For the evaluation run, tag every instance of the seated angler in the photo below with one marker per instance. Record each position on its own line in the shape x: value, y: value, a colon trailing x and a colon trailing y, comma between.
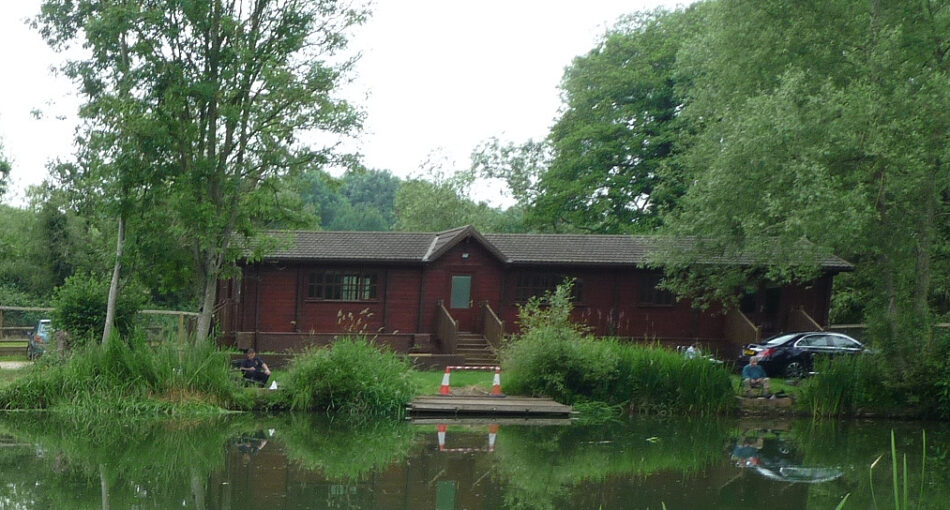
x: 254, y: 368
x: 754, y: 376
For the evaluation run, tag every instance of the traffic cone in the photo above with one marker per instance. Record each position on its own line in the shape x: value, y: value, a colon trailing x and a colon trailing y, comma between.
x: 496, y: 384
x: 492, y: 432
x: 441, y: 433
x: 444, y: 390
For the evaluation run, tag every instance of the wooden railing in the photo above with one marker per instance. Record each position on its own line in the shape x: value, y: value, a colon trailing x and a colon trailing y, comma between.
x: 446, y: 328
x: 740, y: 330
x: 799, y: 320
x: 492, y: 327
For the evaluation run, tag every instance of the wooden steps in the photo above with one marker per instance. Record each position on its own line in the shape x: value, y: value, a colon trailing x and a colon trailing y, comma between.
x: 475, y: 348
x: 487, y: 406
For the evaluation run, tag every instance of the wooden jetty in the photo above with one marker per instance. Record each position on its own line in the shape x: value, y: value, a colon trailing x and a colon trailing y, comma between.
x: 487, y: 406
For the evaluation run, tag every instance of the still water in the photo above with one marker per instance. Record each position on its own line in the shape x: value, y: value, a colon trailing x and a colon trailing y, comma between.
x: 302, y: 462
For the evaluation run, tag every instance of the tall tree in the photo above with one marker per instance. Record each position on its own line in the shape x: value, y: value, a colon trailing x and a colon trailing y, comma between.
x: 616, y: 129
x: 227, y: 89
x: 823, y: 125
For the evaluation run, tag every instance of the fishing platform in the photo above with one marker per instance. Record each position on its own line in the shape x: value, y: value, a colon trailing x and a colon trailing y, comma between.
x: 487, y: 405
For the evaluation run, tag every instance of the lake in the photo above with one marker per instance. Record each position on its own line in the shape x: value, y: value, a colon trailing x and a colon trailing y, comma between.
x: 304, y: 462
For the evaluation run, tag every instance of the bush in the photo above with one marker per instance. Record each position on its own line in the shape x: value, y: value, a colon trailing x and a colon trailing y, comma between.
x: 351, y: 377
x: 80, y: 308
x: 555, y: 358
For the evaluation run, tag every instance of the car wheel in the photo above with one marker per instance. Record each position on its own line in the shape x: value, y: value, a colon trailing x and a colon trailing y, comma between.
x: 794, y: 370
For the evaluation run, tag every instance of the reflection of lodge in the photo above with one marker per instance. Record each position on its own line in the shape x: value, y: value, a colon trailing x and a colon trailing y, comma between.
x: 444, y: 479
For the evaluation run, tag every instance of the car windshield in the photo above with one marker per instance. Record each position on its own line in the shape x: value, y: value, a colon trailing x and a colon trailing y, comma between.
x: 781, y: 339
x: 42, y: 328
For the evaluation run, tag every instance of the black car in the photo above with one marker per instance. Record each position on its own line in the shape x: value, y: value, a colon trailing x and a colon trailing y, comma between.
x: 793, y: 355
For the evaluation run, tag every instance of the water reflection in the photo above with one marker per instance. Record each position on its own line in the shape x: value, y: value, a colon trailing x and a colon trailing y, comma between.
x: 774, y: 454
x: 298, y: 462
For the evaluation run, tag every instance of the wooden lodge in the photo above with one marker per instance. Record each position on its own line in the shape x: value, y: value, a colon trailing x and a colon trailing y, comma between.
x: 447, y: 296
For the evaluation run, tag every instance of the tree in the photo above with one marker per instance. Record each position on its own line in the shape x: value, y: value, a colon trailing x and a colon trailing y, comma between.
x: 439, y: 202
x: 5, y: 167
x: 827, y: 128
x: 616, y: 131
x: 220, y: 92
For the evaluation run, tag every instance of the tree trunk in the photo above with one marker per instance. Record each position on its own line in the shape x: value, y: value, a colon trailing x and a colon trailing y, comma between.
x: 209, y: 296
x: 114, y: 286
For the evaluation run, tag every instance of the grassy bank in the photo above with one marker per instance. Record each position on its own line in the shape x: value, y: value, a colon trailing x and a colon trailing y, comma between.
x: 128, y: 377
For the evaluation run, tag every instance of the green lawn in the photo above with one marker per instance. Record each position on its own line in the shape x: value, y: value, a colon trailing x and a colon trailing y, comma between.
x: 428, y: 382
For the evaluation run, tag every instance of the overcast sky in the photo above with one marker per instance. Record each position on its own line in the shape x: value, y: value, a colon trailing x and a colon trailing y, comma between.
x: 435, y: 76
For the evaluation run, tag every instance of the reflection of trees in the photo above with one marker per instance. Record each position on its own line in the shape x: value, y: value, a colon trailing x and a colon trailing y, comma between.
x: 345, y: 451
x: 90, y: 463
x: 540, y: 465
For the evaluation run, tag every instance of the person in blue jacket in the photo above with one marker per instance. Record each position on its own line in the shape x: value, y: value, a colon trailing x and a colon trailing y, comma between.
x: 754, y: 376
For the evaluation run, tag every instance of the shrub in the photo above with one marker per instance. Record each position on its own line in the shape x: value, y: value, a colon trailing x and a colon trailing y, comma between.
x: 351, y: 377
x: 554, y: 358
x: 80, y: 307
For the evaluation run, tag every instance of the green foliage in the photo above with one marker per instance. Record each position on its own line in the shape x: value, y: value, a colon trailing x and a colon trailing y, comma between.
x: 439, y: 202
x: 199, y: 133
x: 616, y: 131
x: 552, y: 357
x: 350, y: 378
x: 128, y: 378
x: 814, y: 131
x: 845, y: 385
x: 80, y: 308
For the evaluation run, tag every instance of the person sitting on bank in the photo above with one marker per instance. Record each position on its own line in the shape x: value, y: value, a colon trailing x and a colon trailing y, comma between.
x: 254, y: 368
x: 754, y: 376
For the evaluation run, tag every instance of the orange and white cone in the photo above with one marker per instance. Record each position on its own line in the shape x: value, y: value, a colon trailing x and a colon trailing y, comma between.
x: 441, y: 433
x: 444, y: 390
x: 496, y: 384
x: 492, y: 432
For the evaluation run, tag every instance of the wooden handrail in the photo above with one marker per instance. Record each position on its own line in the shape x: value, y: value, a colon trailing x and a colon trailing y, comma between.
x: 799, y: 320
x: 739, y: 329
x: 446, y: 328
x: 492, y: 327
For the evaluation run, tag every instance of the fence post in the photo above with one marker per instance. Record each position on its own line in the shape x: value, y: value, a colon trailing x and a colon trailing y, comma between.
x: 181, y: 338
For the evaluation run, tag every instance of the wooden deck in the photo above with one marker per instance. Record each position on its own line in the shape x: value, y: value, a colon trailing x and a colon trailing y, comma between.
x: 487, y: 406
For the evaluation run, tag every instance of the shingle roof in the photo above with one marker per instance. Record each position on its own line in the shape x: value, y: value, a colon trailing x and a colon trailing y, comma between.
x: 516, y: 249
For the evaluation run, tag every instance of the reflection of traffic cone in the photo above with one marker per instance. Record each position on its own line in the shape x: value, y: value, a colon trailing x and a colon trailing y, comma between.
x: 441, y: 428
x: 496, y: 384
x: 444, y: 390
x: 492, y: 432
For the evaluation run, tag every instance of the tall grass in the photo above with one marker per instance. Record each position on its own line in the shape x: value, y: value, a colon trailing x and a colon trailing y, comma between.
x: 573, y: 368
x: 847, y: 385
x: 352, y: 377
x: 555, y: 357
x: 129, y: 378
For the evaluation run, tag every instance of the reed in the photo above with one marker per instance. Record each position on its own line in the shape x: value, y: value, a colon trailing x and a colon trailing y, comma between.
x: 574, y: 368
x: 129, y: 377
x: 846, y: 385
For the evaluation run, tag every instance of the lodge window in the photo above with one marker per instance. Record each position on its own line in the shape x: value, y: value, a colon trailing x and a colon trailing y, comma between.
x: 342, y: 286
x: 537, y: 284
x: 651, y: 295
